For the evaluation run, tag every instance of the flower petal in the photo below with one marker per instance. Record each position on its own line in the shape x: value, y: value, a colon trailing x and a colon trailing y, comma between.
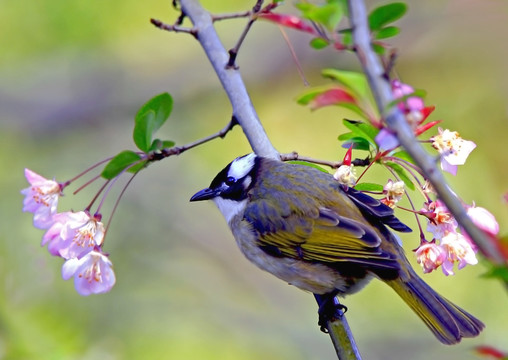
x: 70, y: 267
x: 94, y: 274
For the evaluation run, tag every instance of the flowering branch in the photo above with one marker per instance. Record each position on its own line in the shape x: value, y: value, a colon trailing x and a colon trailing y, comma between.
x: 397, y: 123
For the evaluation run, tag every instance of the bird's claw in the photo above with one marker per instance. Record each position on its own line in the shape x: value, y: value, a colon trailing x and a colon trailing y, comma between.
x: 329, y: 310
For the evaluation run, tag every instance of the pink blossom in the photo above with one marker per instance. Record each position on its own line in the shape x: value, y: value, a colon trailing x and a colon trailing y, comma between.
x: 458, y: 249
x: 415, y: 111
x: 441, y: 221
x: 74, y: 234
x: 453, y: 149
x: 52, y: 235
x: 41, y: 199
x: 411, y: 103
x: 93, y: 273
x: 483, y: 219
x: 430, y: 256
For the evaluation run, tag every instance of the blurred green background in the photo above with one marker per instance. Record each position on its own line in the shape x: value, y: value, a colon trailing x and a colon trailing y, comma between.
x: 72, y: 76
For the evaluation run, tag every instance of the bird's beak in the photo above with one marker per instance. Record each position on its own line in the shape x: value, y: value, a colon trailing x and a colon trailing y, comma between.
x: 205, y: 194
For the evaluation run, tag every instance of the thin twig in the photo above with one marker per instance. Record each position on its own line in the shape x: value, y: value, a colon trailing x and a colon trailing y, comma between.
x: 177, y: 150
x: 231, y: 80
x: 233, y: 53
x: 173, y: 28
x: 236, y: 15
x: 332, y: 164
x: 396, y: 121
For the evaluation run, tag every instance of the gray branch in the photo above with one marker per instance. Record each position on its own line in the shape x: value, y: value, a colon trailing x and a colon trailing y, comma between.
x: 231, y: 80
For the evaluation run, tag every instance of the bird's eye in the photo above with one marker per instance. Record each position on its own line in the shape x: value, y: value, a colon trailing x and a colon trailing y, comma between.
x: 230, y: 181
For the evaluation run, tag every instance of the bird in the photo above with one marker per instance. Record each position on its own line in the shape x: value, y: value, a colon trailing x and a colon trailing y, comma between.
x: 304, y: 227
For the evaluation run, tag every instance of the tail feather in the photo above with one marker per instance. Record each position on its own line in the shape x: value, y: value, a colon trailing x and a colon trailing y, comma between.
x: 448, y: 322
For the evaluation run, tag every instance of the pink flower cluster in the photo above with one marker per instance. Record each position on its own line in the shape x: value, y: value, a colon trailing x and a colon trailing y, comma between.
x: 449, y: 246
x: 75, y: 236
x: 414, y: 109
x: 453, y: 149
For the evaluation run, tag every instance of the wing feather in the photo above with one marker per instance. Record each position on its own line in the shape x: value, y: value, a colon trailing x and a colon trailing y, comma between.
x: 326, y: 237
x: 373, y: 208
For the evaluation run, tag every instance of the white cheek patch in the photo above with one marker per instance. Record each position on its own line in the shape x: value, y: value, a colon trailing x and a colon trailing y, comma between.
x: 229, y: 208
x: 247, y: 181
x: 242, y: 166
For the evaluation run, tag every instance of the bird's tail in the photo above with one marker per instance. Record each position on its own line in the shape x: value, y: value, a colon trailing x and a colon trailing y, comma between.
x: 448, y: 322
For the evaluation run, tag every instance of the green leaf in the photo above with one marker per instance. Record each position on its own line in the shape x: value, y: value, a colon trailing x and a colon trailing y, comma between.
x: 150, y: 118
x: 499, y: 272
x: 142, y: 134
x: 401, y: 173
x: 378, y: 49
x: 328, y: 15
x: 358, y: 143
x: 158, y: 144
x: 354, y: 81
x: 404, y: 156
x: 368, y: 187
x: 137, y: 167
x: 361, y: 136
x: 119, y: 163
x: 347, y: 37
x: 386, y: 14
x: 387, y: 32
x: 166, y: 144
x: 319, y: 43
x: 361, y: 128
x: 355, y: 108
x: 305, y: 163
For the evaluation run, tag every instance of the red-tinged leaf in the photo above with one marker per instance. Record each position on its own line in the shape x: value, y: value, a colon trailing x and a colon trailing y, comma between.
x: 339, y: 46
x: 426, y: 111
x: 290, y: 21
x: 332, y: 97
x: 490, y: 351
x: 348, y: 157
x: 421, y: 129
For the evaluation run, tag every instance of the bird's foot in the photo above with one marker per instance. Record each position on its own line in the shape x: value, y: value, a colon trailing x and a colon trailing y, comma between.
x: 329, y: 309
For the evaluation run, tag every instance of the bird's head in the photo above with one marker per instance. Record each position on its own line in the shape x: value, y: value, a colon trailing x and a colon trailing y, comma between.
x: 230, y: 187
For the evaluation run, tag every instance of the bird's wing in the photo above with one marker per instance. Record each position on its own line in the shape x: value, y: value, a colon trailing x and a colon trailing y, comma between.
x: 325, y: 236
x: 375, y: 210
